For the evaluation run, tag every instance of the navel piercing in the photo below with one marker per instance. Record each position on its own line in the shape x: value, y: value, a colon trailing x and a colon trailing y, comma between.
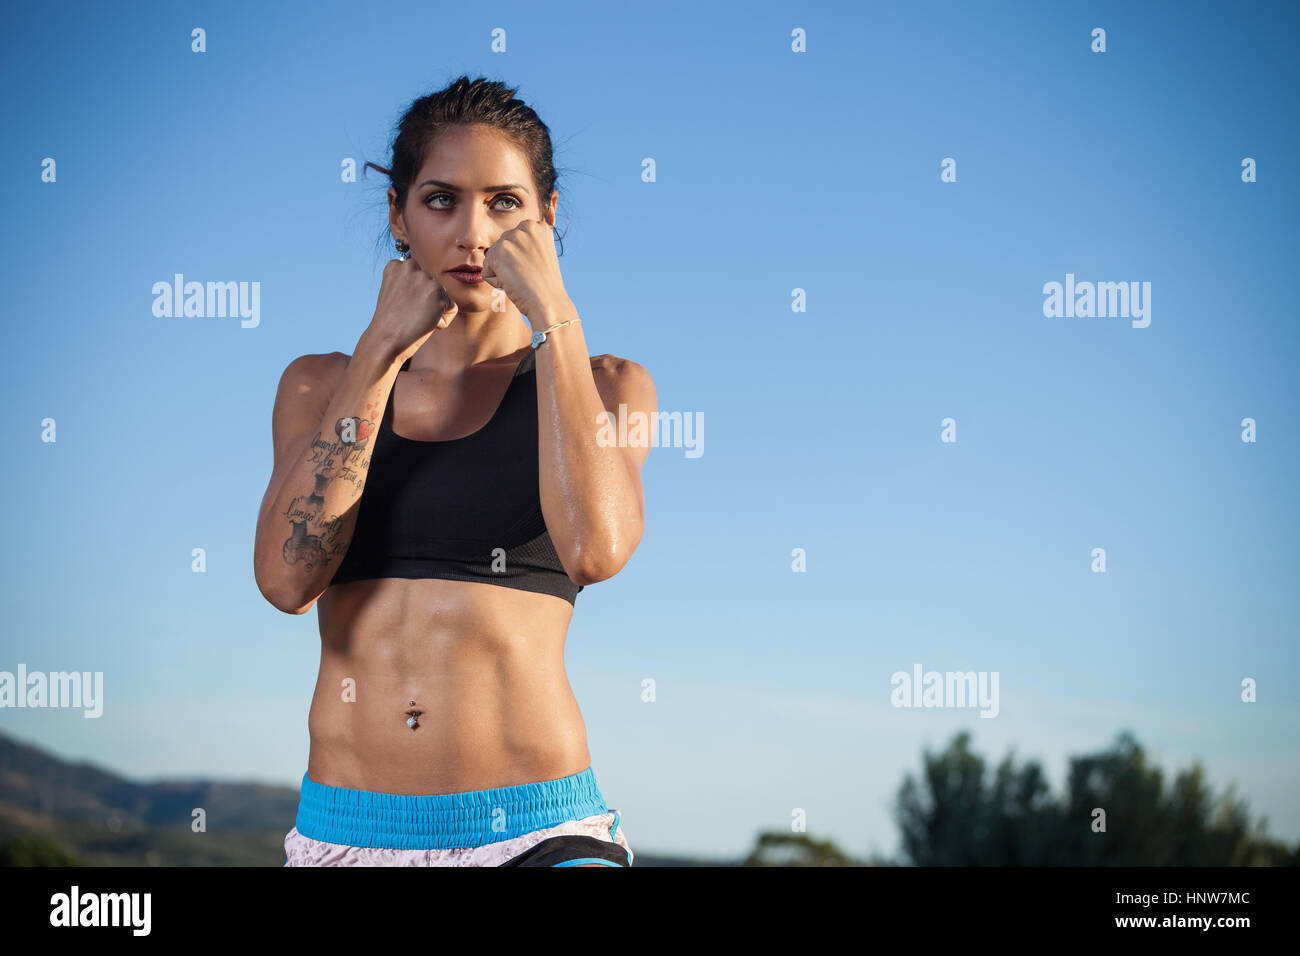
x: 411, y: 721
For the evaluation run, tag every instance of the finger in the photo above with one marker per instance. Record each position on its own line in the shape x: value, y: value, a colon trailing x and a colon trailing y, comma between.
x: 445, y: 300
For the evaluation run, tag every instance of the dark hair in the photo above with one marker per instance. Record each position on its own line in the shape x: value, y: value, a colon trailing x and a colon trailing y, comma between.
x: 466, y: 102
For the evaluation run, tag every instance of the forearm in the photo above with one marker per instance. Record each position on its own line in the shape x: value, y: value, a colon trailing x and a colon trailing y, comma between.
x: 589, y: 499
x: 307, y: 530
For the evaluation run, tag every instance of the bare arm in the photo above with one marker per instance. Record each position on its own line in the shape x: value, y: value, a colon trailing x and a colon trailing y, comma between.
x: 591, y: 493
x: 322, y: 458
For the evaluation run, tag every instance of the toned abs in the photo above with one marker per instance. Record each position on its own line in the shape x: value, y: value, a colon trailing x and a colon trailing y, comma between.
x: 483, y: 663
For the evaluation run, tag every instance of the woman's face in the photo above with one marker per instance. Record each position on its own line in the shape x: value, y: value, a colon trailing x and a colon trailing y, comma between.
x: 474, y: 185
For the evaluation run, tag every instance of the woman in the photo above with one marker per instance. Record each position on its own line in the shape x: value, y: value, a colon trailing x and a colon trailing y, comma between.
x: 444, y: 493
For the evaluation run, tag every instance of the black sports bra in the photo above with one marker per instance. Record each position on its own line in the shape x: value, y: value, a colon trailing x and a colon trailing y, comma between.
x: 468, y: 509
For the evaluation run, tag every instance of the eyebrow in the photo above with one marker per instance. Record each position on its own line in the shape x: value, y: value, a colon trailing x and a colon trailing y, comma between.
x: 457, y: 189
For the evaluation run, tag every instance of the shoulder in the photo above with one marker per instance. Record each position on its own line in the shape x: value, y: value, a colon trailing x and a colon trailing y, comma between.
x: 314, y: 372
x: 623, y: 383
x: 619, y: 373
x: 318, y: 363
x: 628, y: 393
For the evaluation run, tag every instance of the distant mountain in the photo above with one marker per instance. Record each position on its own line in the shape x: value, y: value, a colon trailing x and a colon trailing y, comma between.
x: 35, y: 781
x: 51, y: 809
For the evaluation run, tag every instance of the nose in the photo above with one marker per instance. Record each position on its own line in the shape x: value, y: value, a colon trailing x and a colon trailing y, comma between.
x: 477, y: 231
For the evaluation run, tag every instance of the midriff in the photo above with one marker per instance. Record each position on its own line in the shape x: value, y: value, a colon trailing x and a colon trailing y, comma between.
x: 484, y: 665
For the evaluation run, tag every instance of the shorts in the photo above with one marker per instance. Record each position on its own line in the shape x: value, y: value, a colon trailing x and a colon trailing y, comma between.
x: 562, y: 822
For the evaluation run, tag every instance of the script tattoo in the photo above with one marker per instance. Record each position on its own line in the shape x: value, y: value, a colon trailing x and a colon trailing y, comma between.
x: 317, y: 536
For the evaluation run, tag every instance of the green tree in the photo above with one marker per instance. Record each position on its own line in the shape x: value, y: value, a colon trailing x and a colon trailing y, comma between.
x: 952, y: 817
x: 795, y: 849
x: 35, y: 849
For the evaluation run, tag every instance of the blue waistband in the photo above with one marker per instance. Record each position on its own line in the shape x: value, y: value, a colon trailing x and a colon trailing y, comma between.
x: 443, y: 820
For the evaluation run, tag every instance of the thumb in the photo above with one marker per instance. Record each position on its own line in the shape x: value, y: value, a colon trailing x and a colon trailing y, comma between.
x: 448, y: 315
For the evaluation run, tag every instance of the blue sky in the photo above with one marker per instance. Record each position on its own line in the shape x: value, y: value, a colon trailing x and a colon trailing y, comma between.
x: 776, y: 171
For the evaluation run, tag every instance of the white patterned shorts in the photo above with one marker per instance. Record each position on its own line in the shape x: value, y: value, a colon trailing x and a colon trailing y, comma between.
x: 560, y: 822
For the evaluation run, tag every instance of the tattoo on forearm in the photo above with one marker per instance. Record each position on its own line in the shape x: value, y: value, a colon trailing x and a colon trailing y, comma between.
x: 316, y: 536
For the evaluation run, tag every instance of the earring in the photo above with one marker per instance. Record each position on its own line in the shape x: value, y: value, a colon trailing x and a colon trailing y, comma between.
x: 404, y: 250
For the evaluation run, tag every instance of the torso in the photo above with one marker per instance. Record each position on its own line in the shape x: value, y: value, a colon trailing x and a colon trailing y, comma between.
x: 484, y: 663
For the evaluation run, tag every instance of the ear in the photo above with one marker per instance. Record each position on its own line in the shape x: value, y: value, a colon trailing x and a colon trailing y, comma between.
x: 394, y: 214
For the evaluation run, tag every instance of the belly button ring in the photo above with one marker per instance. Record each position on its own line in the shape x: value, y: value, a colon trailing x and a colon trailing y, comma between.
x: 411, y: 721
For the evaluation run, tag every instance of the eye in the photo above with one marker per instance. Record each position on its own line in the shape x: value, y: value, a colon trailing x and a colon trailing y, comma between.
x: 515, y: 203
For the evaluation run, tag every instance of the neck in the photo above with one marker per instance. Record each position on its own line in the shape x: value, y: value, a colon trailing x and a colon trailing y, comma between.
x: 472, y: 339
